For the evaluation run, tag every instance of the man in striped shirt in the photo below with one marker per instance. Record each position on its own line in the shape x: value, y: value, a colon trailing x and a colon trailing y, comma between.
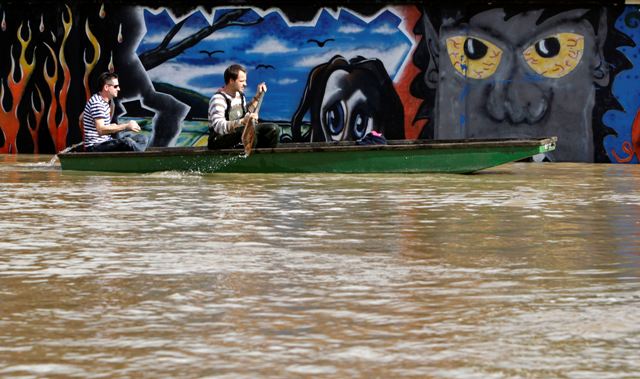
x: 229, y: 113
x: 100, y: 134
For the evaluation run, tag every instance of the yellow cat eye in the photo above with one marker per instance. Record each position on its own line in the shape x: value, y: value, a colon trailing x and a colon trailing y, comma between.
x: 473, y: 57
x: 555, y: 56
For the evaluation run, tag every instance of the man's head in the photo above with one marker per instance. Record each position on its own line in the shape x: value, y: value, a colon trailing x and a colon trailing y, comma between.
x: 235, y: 78
x: 500, y: 73
x: 109, y: 84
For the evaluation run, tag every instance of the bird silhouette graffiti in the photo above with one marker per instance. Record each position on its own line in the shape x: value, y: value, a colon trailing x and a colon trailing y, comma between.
x: 265, y: 66
x: 210, y: 53
x: 320, y: 43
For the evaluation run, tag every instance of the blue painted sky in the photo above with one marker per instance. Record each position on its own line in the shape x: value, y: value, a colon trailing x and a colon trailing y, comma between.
x: 276, y: 43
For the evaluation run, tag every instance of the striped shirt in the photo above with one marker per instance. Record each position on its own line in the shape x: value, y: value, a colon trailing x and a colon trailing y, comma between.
x: 96, y: 108
x: 218, y: 123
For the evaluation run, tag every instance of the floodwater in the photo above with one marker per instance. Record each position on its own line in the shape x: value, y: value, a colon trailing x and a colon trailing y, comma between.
x: 528, y: 270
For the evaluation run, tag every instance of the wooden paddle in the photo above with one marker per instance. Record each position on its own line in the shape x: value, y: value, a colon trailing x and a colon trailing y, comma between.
x: 249, y: 133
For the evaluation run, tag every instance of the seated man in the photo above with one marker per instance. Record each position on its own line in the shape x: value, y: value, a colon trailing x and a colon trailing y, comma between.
x: 229, y: 113
x: 99, y: 133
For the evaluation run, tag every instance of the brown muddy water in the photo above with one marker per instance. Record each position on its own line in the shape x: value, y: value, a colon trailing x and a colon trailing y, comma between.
x: 523, y: 271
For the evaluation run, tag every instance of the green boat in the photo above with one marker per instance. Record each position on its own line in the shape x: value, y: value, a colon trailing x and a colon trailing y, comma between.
x: 460, y: 156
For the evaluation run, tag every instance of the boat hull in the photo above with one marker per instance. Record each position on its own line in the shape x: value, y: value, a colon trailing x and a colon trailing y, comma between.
x: 406, y: 157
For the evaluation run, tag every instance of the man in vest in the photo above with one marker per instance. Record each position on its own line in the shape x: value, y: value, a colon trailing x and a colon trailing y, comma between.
x: 100, y: 134
x: 229, y: 113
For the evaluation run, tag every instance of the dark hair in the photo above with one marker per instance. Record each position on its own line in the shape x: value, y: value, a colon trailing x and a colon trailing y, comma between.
x: 367, y: 74
x: 105, y: 78
x: 231, y: 73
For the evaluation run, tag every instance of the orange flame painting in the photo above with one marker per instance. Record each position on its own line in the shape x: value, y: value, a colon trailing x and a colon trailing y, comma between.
x: 51, y: 80
x: 38, y: 113
x: 58, y: 132
x: 60, y: 139
x: 89, y: 66
x: 9, y: 121
x: 112, y: 67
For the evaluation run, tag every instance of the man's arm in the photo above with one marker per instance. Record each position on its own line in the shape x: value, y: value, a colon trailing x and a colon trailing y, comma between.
x: 103, y: 128
x: 253, y: 104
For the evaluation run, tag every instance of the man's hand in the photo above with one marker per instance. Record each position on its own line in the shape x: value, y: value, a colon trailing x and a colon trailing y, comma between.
x: 133, y: 126
x: 262, y: 88
x: 248, y: 117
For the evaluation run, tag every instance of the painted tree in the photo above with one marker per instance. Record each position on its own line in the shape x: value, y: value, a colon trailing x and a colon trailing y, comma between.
x: 163, y: 52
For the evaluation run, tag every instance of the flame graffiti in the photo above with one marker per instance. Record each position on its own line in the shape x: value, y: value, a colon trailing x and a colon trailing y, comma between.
x: 42, y: 106
x: 112, y: 67
x: 58, y: 132
x: 51, y: 82
x: 9, y: 122
x: 102, y: 13
x: 633, y: 147
x: 89, y: 66
x: 38, y: 113
x: 61, y: 141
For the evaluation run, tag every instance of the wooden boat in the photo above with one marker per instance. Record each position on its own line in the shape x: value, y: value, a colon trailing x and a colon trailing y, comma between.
x: 460, y: 156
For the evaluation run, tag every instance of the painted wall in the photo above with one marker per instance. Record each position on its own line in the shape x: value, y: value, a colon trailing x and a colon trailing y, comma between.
x: 408, y: 71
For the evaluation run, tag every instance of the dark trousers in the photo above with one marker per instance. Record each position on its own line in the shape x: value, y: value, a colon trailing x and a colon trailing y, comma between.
x: 121, y: 141
x: 267, y: 135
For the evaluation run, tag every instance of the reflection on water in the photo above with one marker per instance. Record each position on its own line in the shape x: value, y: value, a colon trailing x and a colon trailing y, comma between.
x: 527, y: 270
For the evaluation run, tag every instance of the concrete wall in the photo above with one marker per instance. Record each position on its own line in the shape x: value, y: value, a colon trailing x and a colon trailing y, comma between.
x: 336, y: 73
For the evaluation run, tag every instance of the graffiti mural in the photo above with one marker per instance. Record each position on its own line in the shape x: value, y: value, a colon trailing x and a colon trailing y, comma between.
x: 53, y: 61
x: 286, y: 55
x: 505, y: 73
x: 623, y: 146
x: 334, y: 73
x: 347, y: 100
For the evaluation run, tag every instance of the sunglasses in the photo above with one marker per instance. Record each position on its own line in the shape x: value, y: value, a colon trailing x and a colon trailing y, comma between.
x: 116, y: 86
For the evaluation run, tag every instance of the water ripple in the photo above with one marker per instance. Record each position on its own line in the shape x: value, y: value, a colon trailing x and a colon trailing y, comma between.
x: 333, y: 276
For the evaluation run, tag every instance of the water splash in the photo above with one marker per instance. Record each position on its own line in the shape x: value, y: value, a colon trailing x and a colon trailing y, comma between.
x: 54, y: 161
x: 66, y: 150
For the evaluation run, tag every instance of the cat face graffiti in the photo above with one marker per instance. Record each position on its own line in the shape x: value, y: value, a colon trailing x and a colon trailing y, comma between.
x: 519, y: 77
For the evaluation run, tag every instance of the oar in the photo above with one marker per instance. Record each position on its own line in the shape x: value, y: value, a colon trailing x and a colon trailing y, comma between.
x: 249, y: 132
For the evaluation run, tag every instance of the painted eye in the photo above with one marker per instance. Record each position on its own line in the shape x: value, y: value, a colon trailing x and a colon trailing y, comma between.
x: 359, y: 124
x: 475, y: 49
x: 555, y: 56
x: 473, y: 57
x: 548, y: 47
x: 334, y: 118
